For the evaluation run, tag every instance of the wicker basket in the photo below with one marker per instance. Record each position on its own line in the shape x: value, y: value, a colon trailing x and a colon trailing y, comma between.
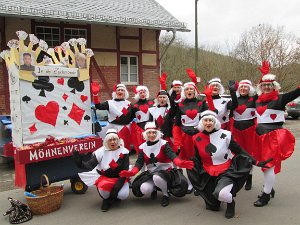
x: 48, y: 198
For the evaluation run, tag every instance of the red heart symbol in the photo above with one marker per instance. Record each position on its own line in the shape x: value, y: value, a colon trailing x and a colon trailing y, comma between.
x: 47, y: 114
x: 261, y: 109
x: 124, y: 111
x: 252, y: 113
x: 240, y: 109
x: 144, y: 108
x: 83, y: 98
x: 61, y: 81
x: 191, y: 113
x: 160, y: 120
x: 138, y: 117
x: 273, y: 116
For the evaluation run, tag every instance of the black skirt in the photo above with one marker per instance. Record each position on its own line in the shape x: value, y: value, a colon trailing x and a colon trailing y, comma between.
x: 208, y: 187
x: 176, y: 181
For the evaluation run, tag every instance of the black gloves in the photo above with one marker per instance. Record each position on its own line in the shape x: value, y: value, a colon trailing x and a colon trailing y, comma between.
x: 262, y: 163
x: 232, y: 85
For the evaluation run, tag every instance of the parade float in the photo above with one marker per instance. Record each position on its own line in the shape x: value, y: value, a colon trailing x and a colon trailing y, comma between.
x: 50, y: 106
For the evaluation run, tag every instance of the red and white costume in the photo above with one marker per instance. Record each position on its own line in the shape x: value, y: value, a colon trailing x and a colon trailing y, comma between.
x: 244, y: 116
x: 120, y: 115
x: 142, y: 115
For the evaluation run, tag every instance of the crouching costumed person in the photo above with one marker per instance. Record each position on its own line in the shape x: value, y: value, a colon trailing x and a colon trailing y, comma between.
x: 157, y: 156
x: 105, y: 166
x: 217, y: 177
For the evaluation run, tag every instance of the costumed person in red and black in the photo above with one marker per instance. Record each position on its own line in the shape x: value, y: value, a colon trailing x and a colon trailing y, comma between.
x: 176, y: 91
x: 187, y: 118
x: 222, y: 105
x: 157, y: 156
x: 120, y: 113
x: 244, y: 118
x: 141, y: 113
x: 163, y: 111
x: 273, y: 140
x: 105, y: 165
x: 217, y: 177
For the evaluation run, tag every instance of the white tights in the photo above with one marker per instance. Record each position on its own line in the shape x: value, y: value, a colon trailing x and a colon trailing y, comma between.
x: 269, y: 180
x: 122, y: 195
x: 225, y: 194
x: 148, y: 186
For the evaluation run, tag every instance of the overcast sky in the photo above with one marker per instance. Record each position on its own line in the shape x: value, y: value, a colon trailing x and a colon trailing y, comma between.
x: 221, y: 22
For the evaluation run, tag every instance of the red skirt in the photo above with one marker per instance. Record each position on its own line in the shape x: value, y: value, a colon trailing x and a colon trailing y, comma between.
x: 105, y: 183
x: 278, y: 144
x: 187, y: 150
x: 136, y: 136
x: 247, y: 139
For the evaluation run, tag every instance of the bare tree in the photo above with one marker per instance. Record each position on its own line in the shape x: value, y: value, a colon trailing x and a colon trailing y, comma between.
x: 280, y: 48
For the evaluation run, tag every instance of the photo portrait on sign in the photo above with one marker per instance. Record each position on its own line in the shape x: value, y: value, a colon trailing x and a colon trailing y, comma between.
x: 27, y: 61
x: 80, y: 59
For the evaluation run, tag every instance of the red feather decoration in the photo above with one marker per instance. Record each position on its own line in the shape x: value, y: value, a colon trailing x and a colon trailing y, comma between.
x: 134, y: 90
x: 192, y: 75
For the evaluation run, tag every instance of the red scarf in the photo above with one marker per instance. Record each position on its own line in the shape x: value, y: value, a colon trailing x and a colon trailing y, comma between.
x: 268, y: 97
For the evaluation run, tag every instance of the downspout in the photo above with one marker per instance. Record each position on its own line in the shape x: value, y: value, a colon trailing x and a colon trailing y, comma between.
x: 166, y: 49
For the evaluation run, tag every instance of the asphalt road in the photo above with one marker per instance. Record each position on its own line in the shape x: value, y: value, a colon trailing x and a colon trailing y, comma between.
x: 85, y: 209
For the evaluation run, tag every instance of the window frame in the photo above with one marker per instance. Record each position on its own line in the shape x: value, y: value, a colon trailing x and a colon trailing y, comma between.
x: 128, y: 82
x: 51, y: 27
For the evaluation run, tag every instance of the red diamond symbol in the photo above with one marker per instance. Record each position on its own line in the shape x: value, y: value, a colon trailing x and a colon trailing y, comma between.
x: 65, y: 96
x: 32, y: 129
x: 76, y: 113
x: 113, y: 164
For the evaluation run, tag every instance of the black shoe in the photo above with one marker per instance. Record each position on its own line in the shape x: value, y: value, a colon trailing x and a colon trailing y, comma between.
x: 105, y: 205
x: 165, y: 201
x: 196, y: 192
x: 272, y: 194
x: 189, y: 191
x: 153, y: 195
x: 230, y: 211
x: 248, y: 184
x: 263, y: 200
x: 212, y: 208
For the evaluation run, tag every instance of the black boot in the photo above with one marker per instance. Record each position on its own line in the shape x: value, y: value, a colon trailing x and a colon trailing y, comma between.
x: 105, y: 205
x: 165, y: 201
x: 263, y: 200
x: 272, y: 194
x: 230, y: 211
x: 248, y: 184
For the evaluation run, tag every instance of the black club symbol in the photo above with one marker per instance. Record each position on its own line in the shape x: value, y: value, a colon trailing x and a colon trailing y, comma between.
x: 153, y: 160
x: 42, y: 83
x: 75, y: 84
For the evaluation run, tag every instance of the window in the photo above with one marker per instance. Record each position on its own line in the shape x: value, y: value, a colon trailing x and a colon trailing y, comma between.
x: 48, y: 34
x: 129, y: 69
x: 74, y: 33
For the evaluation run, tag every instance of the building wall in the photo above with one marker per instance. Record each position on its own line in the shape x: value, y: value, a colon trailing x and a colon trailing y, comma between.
x: 108, y: 44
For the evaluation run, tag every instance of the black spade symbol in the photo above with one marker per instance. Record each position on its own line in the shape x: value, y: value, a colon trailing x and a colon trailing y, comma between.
x: 87, y: 118
x: 75, y: 84
x: 223, y: 102
x: 224, y: 118
x: 198, y: 139
x: 26, y: 99
x: 42, y: 83
x: 210, y: 149
x: 66, y: 122
x: 64, y: 108
x: 223, y: 136
x: 226, y: 156
x: 153, y: 160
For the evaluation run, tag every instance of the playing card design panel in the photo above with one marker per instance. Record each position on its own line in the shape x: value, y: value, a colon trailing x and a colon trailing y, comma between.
x: 46, y: 114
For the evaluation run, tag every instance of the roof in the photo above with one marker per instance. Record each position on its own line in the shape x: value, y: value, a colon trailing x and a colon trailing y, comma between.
x: 129, y: 13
